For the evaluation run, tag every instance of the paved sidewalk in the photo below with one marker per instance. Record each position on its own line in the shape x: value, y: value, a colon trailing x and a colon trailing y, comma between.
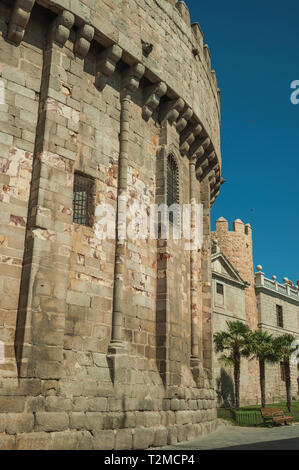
x: 241, y: 438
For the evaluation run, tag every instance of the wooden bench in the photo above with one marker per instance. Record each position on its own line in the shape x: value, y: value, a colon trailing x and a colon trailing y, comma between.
x: 275, y: 415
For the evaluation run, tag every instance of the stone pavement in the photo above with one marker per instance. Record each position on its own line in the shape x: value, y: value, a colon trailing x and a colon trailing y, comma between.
x: 243, y: 438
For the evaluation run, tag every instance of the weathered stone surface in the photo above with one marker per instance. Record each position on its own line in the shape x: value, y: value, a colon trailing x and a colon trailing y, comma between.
x: 34, y: 441
x: 160, y: 439
x: 7, y: 442
x: 81, y: 97
x: 123, y: 439
x: 52, y: 421
x: 104, y: 440
x: 19, y: 422
x: 143, y: 438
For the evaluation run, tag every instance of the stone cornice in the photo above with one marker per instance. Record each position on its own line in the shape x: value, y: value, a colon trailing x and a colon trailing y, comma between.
x: 277, y: 329
x: 276, y: 294
x: 224, y: 277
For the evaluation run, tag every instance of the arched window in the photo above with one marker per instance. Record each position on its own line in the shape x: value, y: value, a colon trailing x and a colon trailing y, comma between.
x: 172, y: 184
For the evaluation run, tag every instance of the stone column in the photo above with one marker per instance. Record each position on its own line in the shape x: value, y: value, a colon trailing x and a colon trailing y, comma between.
x: 206, y: 285
x: 43, y: 293
x: 195, y: 350
x: 130, y: 83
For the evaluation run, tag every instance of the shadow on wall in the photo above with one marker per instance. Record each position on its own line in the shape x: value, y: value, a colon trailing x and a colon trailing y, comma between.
x: 225, y: 389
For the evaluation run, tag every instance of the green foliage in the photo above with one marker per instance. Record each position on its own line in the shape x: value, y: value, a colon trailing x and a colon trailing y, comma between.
x: 236, y: 337
x: 226, y: 360
x: 251, y: 415
x: 263, y: 346
x: 284, y: 346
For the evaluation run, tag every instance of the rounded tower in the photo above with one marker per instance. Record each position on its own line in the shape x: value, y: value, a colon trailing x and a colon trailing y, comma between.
x: 107, y: 340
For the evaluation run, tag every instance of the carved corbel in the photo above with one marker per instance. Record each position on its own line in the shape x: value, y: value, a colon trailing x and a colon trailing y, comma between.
x: 153, y: 95
x: 188, y: 136
x: 84, y: 37
x: 184, y: 118
x: 215, y: 193
x: 204, y: 163
x: 170, y: 110
x: 211, y: 155
x: 106, y: 64
x: 132, y: 76
x: 212, y: 181
x: 199, y: 146
x: 215, y: 189
x: 215, y: 184
x: 62, y: 27
x: 19, y: 20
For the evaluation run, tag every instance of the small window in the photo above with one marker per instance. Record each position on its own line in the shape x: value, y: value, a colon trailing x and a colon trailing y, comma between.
x: 172, y: 184
x: 279, y: 314
x: 282, y: 371
x: 219, y: 288
x: 83, y: 200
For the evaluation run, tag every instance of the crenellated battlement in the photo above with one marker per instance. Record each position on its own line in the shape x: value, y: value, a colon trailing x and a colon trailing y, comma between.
x: 200, y: 50
x: 238, y: 227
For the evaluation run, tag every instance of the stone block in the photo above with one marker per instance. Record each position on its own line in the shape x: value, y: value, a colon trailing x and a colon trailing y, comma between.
x: 34, y: 441
x: 97, y: 404
x: 7, y: 442
x: 175, y: 404
x: 58, y: 404
x: 143, y: 438
x: 160, y: 439
x: 182, y: 433
x: 172, y: 437
x: 104, y: 440
x: 12, y: 404
x: 183, y: 417
x: 48, y: 421
x: 123, y: 439
x: 95, y: 421
x: 17, y: 423
x: 78, y: 420
x: 152, y: 419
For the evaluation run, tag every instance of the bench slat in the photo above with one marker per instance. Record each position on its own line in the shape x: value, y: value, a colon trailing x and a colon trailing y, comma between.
x: 275, y: 414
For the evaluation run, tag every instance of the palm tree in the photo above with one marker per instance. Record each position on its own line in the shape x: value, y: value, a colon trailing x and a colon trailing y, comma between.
x: 286, y: 346
x: 236, y: 342
x: 263, y: 347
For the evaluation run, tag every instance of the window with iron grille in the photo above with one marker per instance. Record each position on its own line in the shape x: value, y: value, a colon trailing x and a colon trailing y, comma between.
x: 219, y: 288
x: 83, y: 204
x: 172, y: 184
x: 279, y: 314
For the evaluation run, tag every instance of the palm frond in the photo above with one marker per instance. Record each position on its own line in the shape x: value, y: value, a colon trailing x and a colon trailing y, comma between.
x: 226, y: 360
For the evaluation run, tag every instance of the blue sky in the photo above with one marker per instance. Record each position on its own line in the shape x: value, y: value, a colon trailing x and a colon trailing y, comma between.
x: 255, y: 51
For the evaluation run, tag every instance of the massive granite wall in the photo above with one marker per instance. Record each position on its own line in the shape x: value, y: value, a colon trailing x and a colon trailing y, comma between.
x: 105, y: 344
